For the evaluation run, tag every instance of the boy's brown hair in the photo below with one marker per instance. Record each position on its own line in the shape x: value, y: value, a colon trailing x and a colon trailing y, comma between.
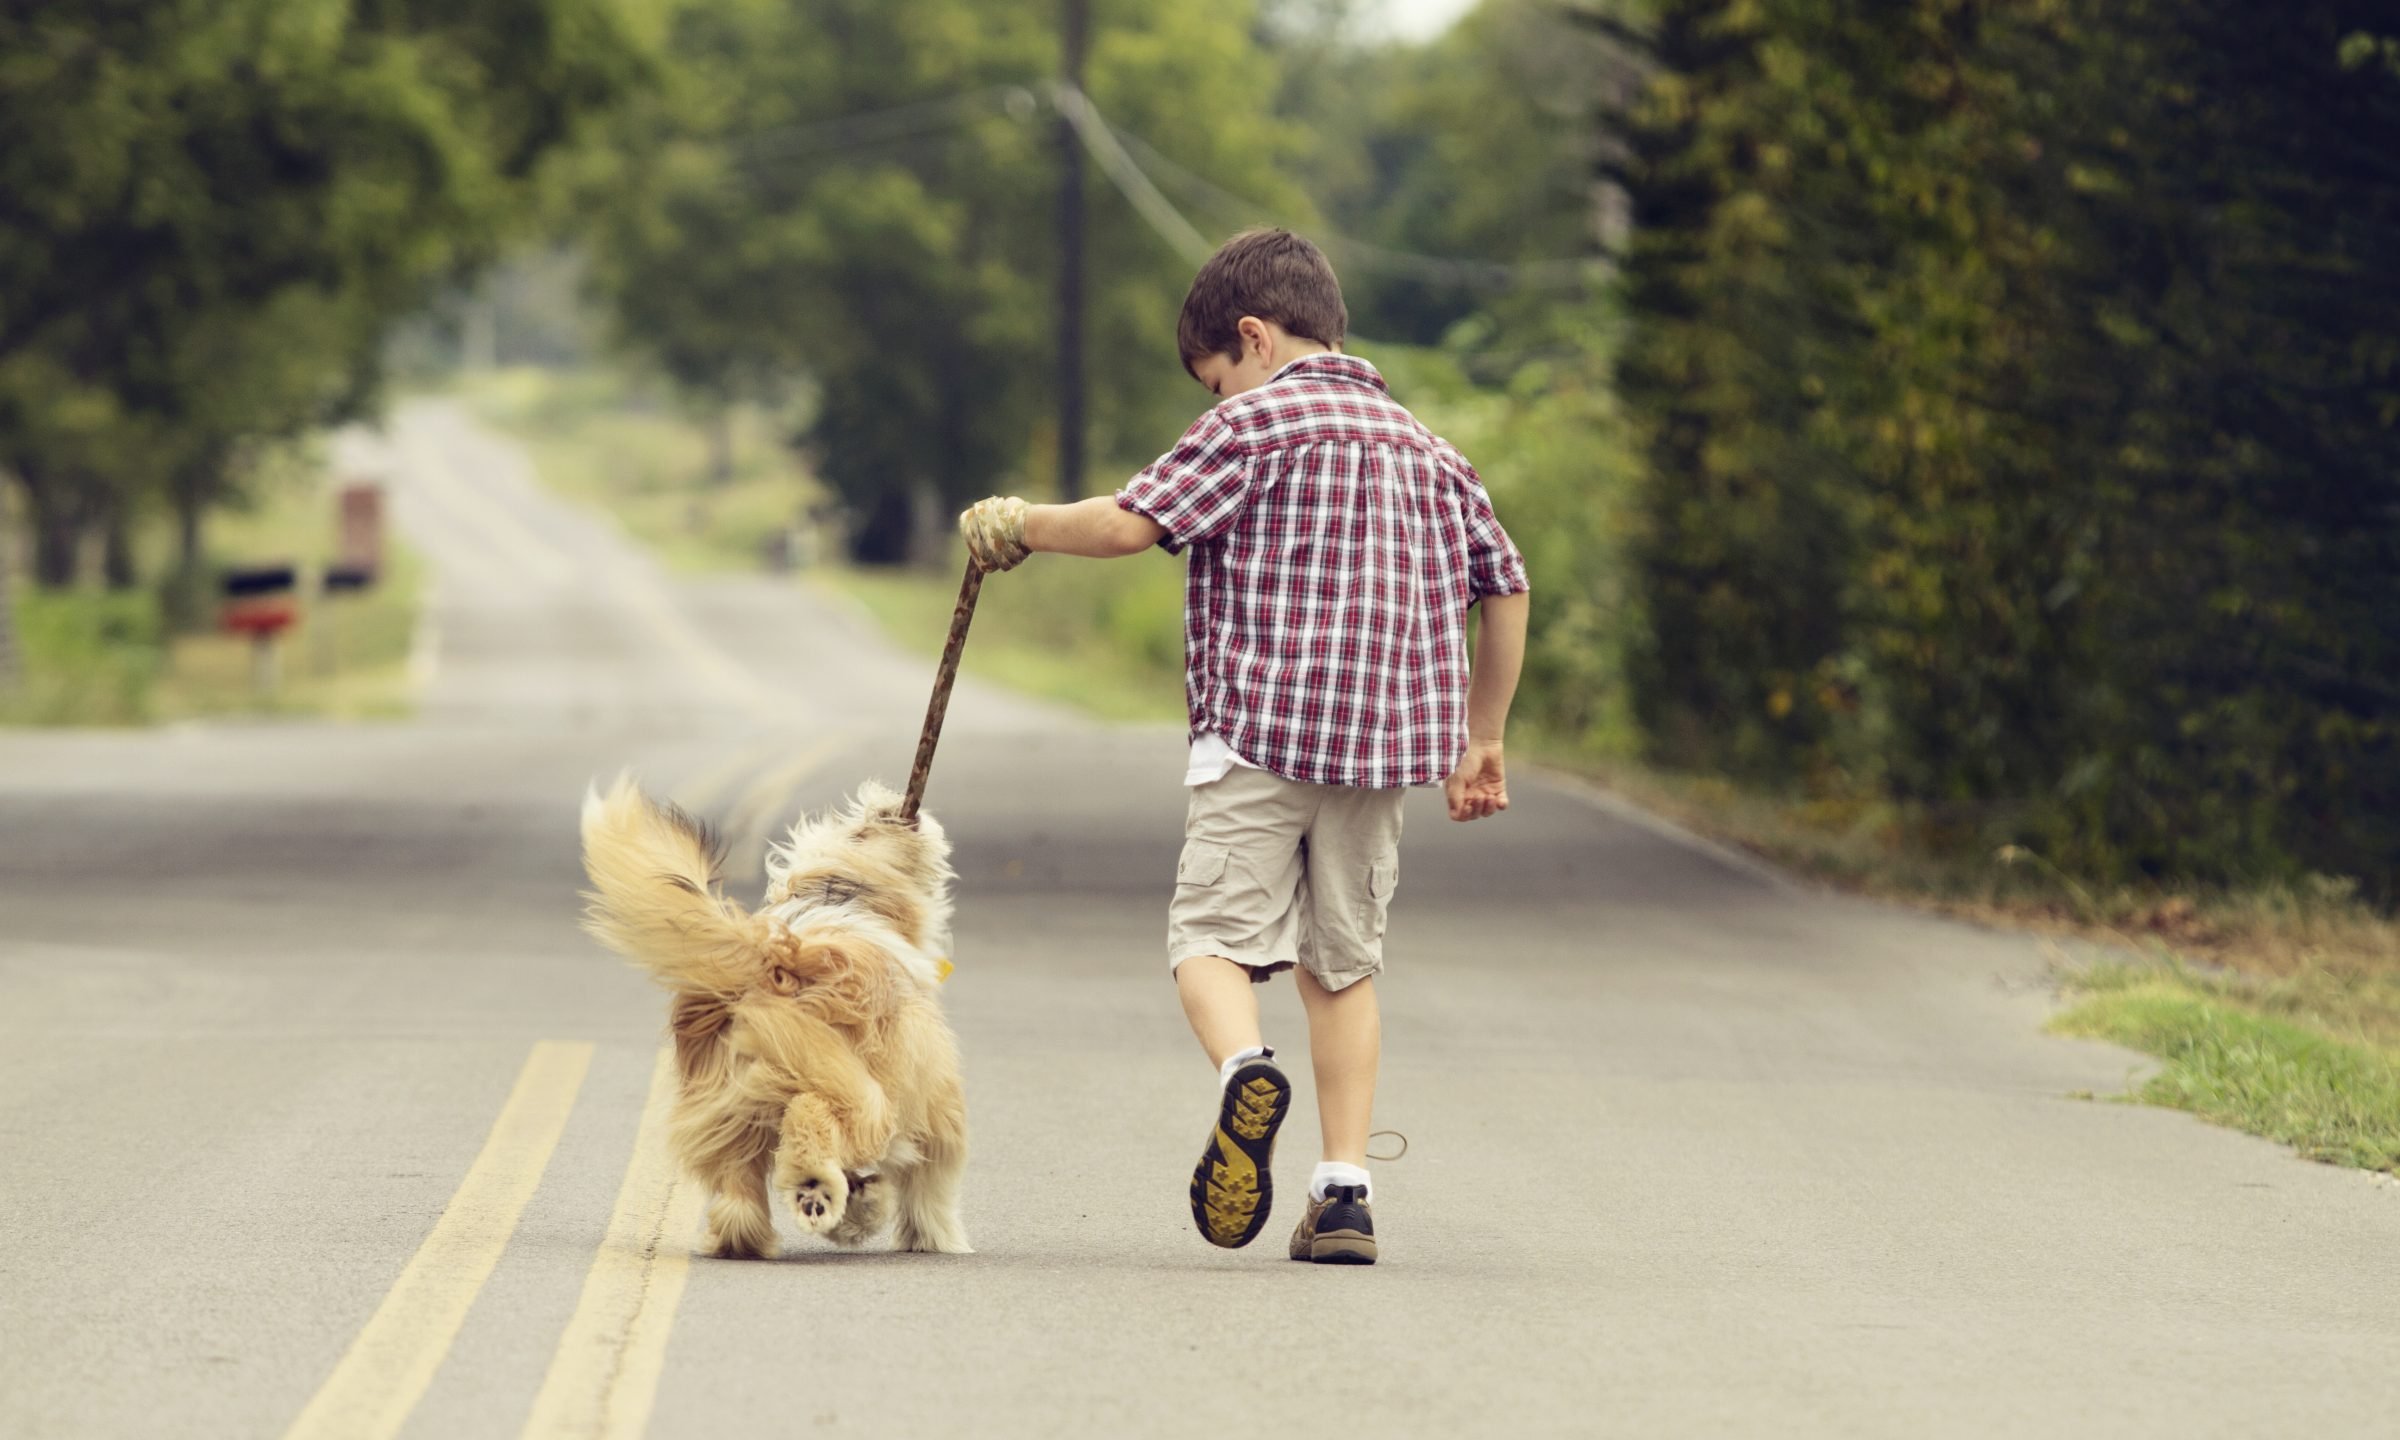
x: 1272, y: 274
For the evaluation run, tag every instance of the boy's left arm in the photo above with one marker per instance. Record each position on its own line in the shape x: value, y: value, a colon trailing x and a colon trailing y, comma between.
x: 1002, y: 531
x: 1192, y: 493
x: 1099, y: 527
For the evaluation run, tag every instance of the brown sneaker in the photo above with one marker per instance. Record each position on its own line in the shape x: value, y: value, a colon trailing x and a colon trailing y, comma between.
x: 1337, y: 1230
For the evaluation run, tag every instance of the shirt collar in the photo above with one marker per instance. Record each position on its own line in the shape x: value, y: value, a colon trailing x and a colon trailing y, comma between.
x: 1334, y: 366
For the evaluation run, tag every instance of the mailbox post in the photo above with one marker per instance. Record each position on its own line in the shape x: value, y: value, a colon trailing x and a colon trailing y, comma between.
x: 259, y: 604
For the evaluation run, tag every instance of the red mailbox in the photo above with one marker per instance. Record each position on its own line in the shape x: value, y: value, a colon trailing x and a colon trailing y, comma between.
x: 261, y: 618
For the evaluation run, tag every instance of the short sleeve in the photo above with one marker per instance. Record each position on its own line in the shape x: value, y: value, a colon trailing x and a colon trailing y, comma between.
x: 1196, y: 490
x: 1494, y: 567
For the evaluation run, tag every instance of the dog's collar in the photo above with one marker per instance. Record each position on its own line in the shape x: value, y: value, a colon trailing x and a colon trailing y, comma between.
x: 838, y: 890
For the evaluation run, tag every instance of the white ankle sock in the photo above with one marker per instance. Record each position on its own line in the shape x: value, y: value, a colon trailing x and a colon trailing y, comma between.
x: 1238, y: 1059
x: 1334, y: 1172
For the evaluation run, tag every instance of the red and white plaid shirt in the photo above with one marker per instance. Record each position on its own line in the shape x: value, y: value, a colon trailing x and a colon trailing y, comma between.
x: 1335, y: 547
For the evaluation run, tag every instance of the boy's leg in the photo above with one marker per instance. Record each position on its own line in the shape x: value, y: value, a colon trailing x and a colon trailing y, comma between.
x: 1239, y: 892
x: 1232, y: 1187
x: 1354, y: 865
x: 1345, y: 1045
x: 1222, y: 1004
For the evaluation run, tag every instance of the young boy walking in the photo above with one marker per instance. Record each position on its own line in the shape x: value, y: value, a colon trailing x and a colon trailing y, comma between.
x: 1336, y: 546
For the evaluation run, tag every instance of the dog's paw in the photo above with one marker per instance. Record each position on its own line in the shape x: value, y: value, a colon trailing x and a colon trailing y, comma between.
x: 739, y: 1231
x: 945, y: 1237
x: 738, y: 1246
x: 820, y: 1199
x: 869, y: 1210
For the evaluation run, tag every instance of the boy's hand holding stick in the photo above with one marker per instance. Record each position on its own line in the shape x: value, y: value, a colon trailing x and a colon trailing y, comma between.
x: 995, y: 533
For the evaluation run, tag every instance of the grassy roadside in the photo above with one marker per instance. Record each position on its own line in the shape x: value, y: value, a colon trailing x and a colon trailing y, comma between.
x: 600, y: 440
x: 96, y: 658
x: 2230, y: 1059
x: 2274, y: 1009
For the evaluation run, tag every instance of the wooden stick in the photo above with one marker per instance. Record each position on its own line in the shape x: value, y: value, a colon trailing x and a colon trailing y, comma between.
x: 960, y: 619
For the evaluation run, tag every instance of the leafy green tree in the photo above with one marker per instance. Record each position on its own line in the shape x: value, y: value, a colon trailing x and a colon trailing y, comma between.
x: 1743, y: 542
x: 2021, y: 418
x: 209, y: 214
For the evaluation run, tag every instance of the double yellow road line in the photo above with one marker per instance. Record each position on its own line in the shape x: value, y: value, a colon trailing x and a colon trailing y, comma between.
x: 603, y: 1378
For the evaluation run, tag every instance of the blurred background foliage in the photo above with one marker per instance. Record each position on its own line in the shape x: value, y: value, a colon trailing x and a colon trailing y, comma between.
x: 2017, y: 397
x: 214, y: 212
x: 1972, y: 416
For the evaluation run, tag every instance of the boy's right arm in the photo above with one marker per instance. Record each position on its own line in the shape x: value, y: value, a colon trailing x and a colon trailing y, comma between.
x: 1478, y: 788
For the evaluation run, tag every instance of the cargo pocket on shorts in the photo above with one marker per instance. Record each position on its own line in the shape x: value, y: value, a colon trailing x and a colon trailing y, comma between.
x: 1202, y: 864
x: 1383, y: 877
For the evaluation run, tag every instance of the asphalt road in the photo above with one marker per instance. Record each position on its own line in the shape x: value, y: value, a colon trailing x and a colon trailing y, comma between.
x: 318, y: 1117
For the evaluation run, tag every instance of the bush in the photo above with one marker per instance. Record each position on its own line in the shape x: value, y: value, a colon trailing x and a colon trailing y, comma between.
x: 90, y: 658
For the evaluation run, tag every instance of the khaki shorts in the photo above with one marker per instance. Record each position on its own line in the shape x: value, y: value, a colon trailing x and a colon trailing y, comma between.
x: 1276, y: 873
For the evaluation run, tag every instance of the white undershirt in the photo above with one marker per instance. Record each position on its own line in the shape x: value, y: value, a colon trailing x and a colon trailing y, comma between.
x: 1212, y: 759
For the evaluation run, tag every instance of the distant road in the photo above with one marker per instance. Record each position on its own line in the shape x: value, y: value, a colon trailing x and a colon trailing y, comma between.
x: 320, y: 1118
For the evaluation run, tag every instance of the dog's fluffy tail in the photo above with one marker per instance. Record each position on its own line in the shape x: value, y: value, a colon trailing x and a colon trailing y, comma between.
x: 654, y: 895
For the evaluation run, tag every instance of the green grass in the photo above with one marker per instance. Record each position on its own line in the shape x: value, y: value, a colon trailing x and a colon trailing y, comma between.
x: 90, y: 658
x: 602, y: 441
x: 93, y: 657
x: 2330, y: 1098
x: 1102, y: 635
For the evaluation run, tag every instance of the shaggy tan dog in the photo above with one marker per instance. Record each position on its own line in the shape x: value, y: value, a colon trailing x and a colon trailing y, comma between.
x: 813, y: 1052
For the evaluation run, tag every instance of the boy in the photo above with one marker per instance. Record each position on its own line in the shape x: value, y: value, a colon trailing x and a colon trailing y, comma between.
x: 1335, y: 548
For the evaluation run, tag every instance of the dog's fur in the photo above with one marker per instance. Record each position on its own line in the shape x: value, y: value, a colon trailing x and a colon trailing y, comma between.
x: 812, y: 1050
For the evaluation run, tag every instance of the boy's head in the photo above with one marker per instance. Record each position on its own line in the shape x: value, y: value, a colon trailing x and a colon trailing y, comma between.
x: 1264, y: 299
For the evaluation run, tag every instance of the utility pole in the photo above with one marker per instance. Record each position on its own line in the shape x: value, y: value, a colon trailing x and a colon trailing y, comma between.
x: 1076, y: 18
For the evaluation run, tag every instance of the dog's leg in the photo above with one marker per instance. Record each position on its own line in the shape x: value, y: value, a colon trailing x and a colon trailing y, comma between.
x: 720, y: 1140
x: 808, y: 1166
x: 740, y: 1226
x: 869, y: 1212
x: 929, y: 1218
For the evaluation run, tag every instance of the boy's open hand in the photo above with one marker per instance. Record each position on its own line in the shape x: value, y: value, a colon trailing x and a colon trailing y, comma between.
x: 1479, y: 786
x: 995, y: 533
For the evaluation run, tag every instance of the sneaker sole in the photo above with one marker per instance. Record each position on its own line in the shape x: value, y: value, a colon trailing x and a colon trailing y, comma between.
x: 1233, y: 1186
x: 1343, y: 1247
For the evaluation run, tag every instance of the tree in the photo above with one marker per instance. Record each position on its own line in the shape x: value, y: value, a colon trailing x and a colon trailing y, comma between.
x: 2022, y: 418
x: 208, y: 215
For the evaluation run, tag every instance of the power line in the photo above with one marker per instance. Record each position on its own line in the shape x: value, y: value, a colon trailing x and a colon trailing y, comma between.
x: 1128, y: 161
x: 1436, y: 269
x: 1145, y: 198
